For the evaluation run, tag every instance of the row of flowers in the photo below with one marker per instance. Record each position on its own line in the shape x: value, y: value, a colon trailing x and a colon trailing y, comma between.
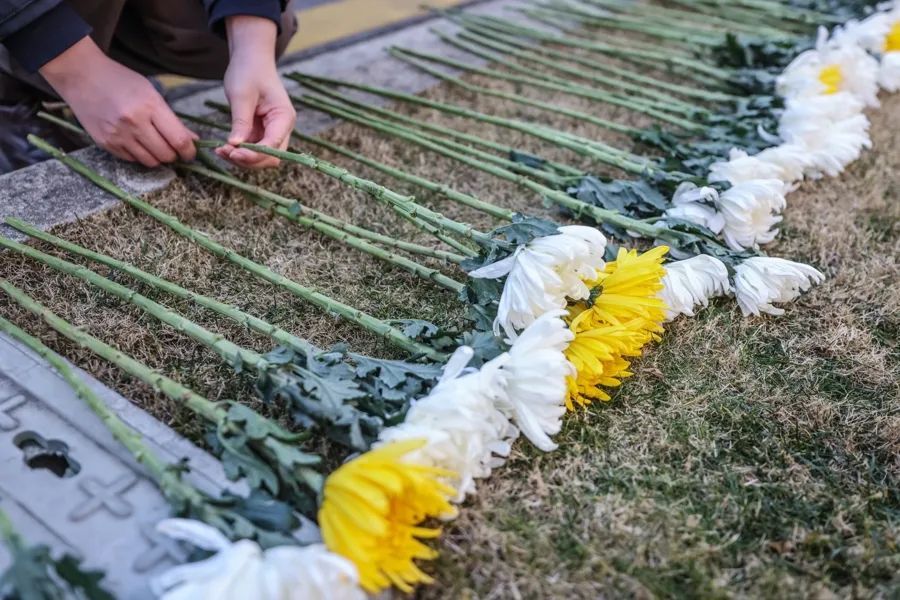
x: 573, y: 322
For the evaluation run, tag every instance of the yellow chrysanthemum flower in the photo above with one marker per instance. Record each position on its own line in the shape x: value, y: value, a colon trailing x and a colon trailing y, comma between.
x: 831, y: 77
x: 892, y: 41
x: 371, y: 511
x: 622, y: 316
x: 628, y: 288
x: 598, y: 357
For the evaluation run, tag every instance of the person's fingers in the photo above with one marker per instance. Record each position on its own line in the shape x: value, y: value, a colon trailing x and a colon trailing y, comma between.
x: 249, y: 159
x: 141, y: 154
x: 279, y: 124
x: 243, y: 114
x: 120, y: 152
x: 153, y: 142
x: 176, y: 135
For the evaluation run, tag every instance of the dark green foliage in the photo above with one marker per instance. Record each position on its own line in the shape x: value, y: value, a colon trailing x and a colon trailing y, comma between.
x: 635, y: 198
x: 35, y: 575
x: 267, y: 457
x: 350, y: 397
x: 746, y: 52
x: 258, y: 516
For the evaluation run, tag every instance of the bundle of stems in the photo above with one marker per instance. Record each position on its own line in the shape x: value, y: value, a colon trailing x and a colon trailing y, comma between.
x: 489, y: 50
x: 657, y: 109
x: 646, y: 55
x: 667, y: 14
x: 354, y: 315
x: 578, y: 207
x: 515, y: 47
x: 185, y: 499
x: 579, y: 145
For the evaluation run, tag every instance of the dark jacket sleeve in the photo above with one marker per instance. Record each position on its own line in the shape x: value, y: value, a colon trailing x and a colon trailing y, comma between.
x: 37, y: 31
x: 218, y: 10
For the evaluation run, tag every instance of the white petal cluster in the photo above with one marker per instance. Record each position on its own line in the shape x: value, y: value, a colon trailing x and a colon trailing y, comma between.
x: 692, y: 282
x: 542, y: 275
x: 834, y: 65
x: 471, y: 418
x: 465, y: 431
x: 696, y: 205
x: 242, y: 570
x: 742, y: 168
x: 791, y: 160
x: 536, y: 372
x: 761, y: 281
x: 751, y: 211
x: 879, y: 34
x: 832, y: 129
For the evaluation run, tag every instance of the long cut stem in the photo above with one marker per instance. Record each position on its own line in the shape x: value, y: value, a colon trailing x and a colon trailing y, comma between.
x: 376, y: 326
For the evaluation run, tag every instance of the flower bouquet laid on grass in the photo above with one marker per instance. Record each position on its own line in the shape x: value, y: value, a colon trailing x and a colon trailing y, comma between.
x: 557, y: 313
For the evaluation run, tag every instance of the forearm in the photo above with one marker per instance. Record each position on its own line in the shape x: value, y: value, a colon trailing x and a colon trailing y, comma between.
x: 251, y: 37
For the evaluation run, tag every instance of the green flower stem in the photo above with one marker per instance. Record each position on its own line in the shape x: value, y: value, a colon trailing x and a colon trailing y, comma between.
x: 201, y: 406
x: 376, y: 326
x: 561, y: 198
x: 560, y: 138
x: 284, y: 207
x: 175, y: 490
x: 226, y: 310
x: 518, y: 98
x: 776, y: 10
x: 627, y: 87
x: 426, y: 184
x: 742, y: 15
x: 674, y: 15
x: 779, y: 8
x: 214, y: 413
x: 551, y: 83
x: 647, y: 58
x: 227, y: 350
x: 390, y: 115
x: 519, y: 48
x: 377, y: 191
x: 665, y: 57
x: 376, y: 123
x: 540, y: 132
x: 355, y: 230
x: 672, y: 34
x: 7, y: 532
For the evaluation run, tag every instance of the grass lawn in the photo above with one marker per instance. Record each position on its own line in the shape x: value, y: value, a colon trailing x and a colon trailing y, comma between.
x: 747, y: 457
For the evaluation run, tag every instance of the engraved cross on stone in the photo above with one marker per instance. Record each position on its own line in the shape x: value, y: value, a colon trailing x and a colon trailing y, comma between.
x: 161, y: 549
x: 102, y: 495
x: 9, y: 403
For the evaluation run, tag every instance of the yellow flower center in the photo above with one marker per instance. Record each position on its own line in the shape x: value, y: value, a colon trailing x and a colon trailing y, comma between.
x: 892, y: 41
x: 831, y: 77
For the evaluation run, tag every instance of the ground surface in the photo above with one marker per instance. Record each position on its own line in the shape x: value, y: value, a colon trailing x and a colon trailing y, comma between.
x: 747, y: 457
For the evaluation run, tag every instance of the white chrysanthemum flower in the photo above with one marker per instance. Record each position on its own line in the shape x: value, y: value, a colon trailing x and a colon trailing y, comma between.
x: 690, y: 204
x: 691, y: 282
x: 792, y: 161
x: 879, y: 34
x: 242, y: 570
x: 832, y: 130
x: 833, y: 66
x: 536, y: 372
x: 751, y: 211
x: 889, y: 73
x: 542, y: 275
x: 761, y: 281
x: 459, y: 419
x: 741, y: 168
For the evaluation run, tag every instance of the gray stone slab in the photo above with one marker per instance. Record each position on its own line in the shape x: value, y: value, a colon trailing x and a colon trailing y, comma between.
x: 101, y: 506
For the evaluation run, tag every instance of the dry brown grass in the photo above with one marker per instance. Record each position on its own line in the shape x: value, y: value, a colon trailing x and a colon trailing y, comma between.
x: 748, y: 457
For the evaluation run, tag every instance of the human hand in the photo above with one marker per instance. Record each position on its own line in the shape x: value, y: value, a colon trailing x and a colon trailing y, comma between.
x: 261, y: 111
x: 120, y: 109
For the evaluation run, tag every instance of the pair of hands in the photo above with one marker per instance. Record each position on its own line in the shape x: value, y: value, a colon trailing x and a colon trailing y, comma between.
x: 125, y: 115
